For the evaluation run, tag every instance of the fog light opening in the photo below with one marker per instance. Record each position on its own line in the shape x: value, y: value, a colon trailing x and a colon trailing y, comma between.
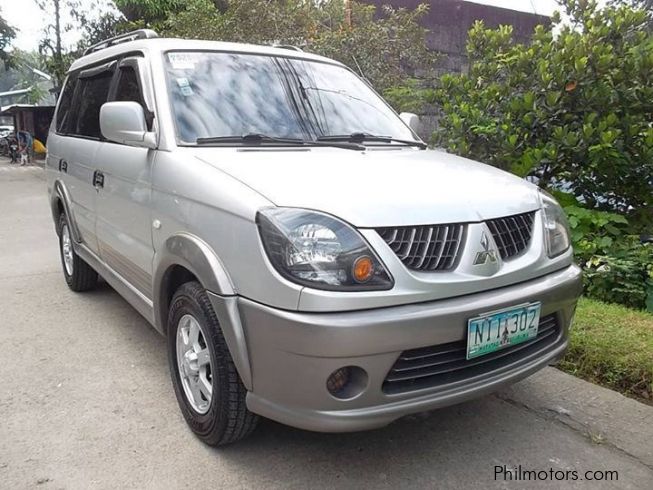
x: 347, y: 382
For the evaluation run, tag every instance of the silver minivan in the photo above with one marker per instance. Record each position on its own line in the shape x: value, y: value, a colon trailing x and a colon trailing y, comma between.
x: 305, y: 254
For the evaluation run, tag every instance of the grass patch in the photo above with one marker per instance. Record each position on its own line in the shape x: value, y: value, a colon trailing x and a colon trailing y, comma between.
x: 612, y: 345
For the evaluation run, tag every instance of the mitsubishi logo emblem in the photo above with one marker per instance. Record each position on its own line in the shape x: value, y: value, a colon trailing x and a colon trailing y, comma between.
x: 486, y: 255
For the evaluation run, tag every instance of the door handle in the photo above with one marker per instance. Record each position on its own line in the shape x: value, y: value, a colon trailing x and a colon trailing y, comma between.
x: 63, y: 166
x: 98, y: 179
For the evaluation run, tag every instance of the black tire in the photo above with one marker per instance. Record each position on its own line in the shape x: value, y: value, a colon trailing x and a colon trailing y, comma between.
x: 227, y: 419
x: 83, y: 277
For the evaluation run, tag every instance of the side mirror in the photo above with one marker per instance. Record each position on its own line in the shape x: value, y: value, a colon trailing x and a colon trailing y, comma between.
x: 124, y: 122
x: 411, y: 120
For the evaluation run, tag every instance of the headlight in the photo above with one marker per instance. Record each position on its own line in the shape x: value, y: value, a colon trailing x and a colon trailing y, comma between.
x: 320, y: 251
x: 556, y: 228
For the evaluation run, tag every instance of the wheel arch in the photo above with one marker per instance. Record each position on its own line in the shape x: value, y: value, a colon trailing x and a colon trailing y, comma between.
x: 185, y: 257
x: 61, y: 202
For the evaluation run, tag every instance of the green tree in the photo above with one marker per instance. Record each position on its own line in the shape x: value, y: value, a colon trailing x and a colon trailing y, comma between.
x: 149, y: 13
x: 572, y: 109
x: 93, y: 21
x: 385, y: 46
x: 51, y: 44
x: 7, y: 35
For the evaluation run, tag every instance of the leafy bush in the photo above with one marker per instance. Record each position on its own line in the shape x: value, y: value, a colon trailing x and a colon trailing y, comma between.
x: 623, y: 276
x: 572, y: 109
x: 412, y: 95
x: 617, y: 267
x: 594, y: 232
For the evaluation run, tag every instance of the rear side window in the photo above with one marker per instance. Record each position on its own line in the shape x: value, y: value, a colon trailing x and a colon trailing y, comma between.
x: 92, y: 93
x: 65, y: 102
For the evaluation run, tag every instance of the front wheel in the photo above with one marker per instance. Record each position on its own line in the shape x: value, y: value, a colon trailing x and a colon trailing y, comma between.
x: 209, y: 391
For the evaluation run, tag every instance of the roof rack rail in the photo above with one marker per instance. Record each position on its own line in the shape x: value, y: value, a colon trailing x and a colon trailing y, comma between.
x: 288, y: 46
x: 122, y: 38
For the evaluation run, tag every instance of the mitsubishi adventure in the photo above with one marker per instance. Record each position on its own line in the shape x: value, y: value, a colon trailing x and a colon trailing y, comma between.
x: 306, y: 256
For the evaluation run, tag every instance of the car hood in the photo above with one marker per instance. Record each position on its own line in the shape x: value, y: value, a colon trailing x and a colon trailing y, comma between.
x: 378, y: 187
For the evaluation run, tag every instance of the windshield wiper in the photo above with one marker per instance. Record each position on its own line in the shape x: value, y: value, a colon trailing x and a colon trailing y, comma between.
x: 249, y: 138
x: 257, y: 138
x: 362, y: 137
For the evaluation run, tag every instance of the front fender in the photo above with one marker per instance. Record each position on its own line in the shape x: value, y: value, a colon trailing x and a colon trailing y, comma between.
x: 196, y: 256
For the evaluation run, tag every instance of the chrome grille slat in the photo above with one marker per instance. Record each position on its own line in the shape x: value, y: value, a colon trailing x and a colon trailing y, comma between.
x: 512, y: 234
x: 438, y: 247
x: 445, y: 231
x: 457, y: 250
x: 425, y: 248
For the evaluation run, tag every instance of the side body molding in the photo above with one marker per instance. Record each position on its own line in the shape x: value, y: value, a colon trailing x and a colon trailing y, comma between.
x: 60, y: 193
x: 195, y: 255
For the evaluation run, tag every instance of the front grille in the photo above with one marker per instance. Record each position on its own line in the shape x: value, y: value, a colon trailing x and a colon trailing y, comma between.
x: 425, y: 248
x: 512, y: 234
x: 439, y: 365
x: 437, y: 247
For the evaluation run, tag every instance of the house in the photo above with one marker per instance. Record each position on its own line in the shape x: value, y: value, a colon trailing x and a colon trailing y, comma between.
x: 31, y: 118
x: 449, y: 21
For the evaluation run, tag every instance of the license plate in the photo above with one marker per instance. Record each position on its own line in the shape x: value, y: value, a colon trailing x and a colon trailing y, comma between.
x: 497, y: 330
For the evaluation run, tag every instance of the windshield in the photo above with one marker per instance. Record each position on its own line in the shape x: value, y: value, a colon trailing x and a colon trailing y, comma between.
x: 216, y: 94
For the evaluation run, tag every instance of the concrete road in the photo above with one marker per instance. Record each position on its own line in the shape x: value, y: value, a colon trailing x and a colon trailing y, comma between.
x: 86, y: 402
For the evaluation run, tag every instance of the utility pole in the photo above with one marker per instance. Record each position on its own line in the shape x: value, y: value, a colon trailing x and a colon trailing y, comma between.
x: 57, y: 28
x: 52, y: 44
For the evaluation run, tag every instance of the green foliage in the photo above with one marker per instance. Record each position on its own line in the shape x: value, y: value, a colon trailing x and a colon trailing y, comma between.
x: 617, y: 267
x: 571, y: 108
x: 624, y: 275
x: 96, y: 20
x: 19, y: 73
x: 595, y: 232
x: 96, y: 28
x: 50, y: 46
x: 36, y: 94
x: 410, y: 96
x: 384, y: 48
x: 7, y: 35
x: 612, y: 345
x: 148, y: 11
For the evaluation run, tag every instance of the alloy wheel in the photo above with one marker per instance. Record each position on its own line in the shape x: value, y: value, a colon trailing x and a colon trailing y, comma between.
x: 194, y: 364
x: 67, y: 249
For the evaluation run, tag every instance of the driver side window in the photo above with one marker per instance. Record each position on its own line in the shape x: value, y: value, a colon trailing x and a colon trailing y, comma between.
x: 128, y: 89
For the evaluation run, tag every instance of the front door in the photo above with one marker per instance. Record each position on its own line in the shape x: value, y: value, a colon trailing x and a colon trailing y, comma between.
x: 124, y: 227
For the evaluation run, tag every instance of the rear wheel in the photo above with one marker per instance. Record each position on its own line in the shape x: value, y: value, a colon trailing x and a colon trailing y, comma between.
x: 209, y: 391
x: 78, y: 274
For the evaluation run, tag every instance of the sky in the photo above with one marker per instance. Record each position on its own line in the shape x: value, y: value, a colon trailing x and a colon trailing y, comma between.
x: 28, y: 19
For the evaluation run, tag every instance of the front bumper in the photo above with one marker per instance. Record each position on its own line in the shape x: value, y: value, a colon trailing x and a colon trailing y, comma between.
x: 291, y: 354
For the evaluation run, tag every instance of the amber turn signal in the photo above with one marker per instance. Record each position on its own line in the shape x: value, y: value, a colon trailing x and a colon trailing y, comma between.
x: 363, y: 269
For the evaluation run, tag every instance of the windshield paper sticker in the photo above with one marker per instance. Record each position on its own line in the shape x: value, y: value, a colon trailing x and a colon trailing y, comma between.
x: 184, y: 86
x: 182, y: 61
